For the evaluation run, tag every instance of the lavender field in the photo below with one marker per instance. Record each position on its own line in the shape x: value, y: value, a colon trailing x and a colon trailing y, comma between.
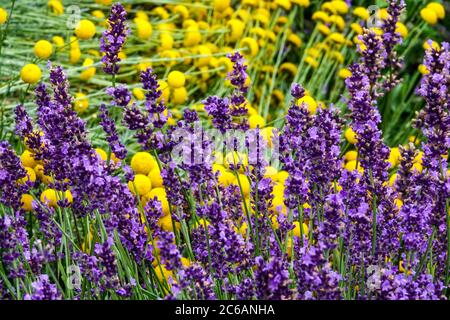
x: 224, y: 149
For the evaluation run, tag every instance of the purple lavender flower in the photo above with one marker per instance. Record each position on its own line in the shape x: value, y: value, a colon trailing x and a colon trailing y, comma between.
x: 390, y: 39
x: 120, y: 94
x: 43, y: 289
x: 109, y: 127
x: 113, y: 38
x: 272, y: 279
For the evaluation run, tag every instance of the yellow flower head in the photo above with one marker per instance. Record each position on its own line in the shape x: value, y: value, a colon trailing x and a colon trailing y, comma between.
x: 30, y: 73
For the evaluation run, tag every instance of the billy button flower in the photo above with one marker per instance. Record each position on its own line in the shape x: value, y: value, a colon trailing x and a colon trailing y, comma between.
x: 89, y: 72
x: 438, y: 8
x: 58, y: 41
x: 74, y: 52
x: 143, y: 163
x: 27, y: 202
x: 81, y: 103
x: 161, y: 195
x: 30, y: 73
x: 302, y: 3
x: 224, y: 176
x: 3, y: 15
x: 344, y: 73
x: 176, y: 79
x: 155, y: 177
x: 40, y: 173
x: 427, y: 45
x: 221, y: 5
x: 250, y: 45
x: 236, y: 29
x: 85, y: 29
x: 429, y: 16
x: 50, y: 197
x: 140, y: 185
x: 361, y: 12
x: 350, y: 135
x: 27, y: 159
x: 192, y: 36
x: 30, y: 176
x: 43, y: 49
x: 309, y: 103
x: 321, y: 16
x: 144, y: 29
x: 56, y: 7
x: 351, y: 155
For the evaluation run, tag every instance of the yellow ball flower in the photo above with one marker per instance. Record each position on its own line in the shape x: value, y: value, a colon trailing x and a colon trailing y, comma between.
x: 30, y: 73
x: 281, y: 177
x: 81, y: 103
x: 361, y: 12
x: 104, y: 2
x: 242, y: 181
x: 140, y: 185
x: 423, y: 69
x: 340, y: 6
x: 350, y: 135
x: 30, y: 176
x: 297, y: 230
x: 3, y: 15
x: 155, y: 177
x: 302, y: 3
x: 221, y: 5
x: 312, y: 62
x: 50, y: 197
x: 161, y: 195
x: 392, y: 179
x: 394, y: 157
x: 144, y: 28
x: 176, y: 79
x: 352, y: 165
x: 143, y: 163
x: 427, y: 45
x: 27, y: 202
x: 401, y: 28
x: 270, y: 172
x: 429, y: 16
x: 166, y: 223
x: 337, y: 37
x: 235, y: 159
x: 309, y: 103
x: 165, y: 89
x: 351, y: 155
x: 166, y: 40
x: 58, y: 41
x: 138, y: 93
x: 344, y: 73
x: 101, y: 153
x: 251, y: 46
x: 225, y: 178
x: 163, y: 274
x: 40, y: 173
x: 85, y: 29
x: 27, y: 159
x: 88, y: 73
x: 438, y: 8
x: 43, y: 49
x: 192, y: 36
x: 256, y: 121
x: 236, y: 29
x: 56, y: 7
x: 179, y: 95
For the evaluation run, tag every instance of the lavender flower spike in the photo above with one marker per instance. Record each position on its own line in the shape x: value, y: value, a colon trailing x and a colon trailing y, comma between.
x: 113, y: 39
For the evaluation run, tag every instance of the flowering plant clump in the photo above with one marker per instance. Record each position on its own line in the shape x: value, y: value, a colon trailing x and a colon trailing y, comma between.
x: 225, y: 150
